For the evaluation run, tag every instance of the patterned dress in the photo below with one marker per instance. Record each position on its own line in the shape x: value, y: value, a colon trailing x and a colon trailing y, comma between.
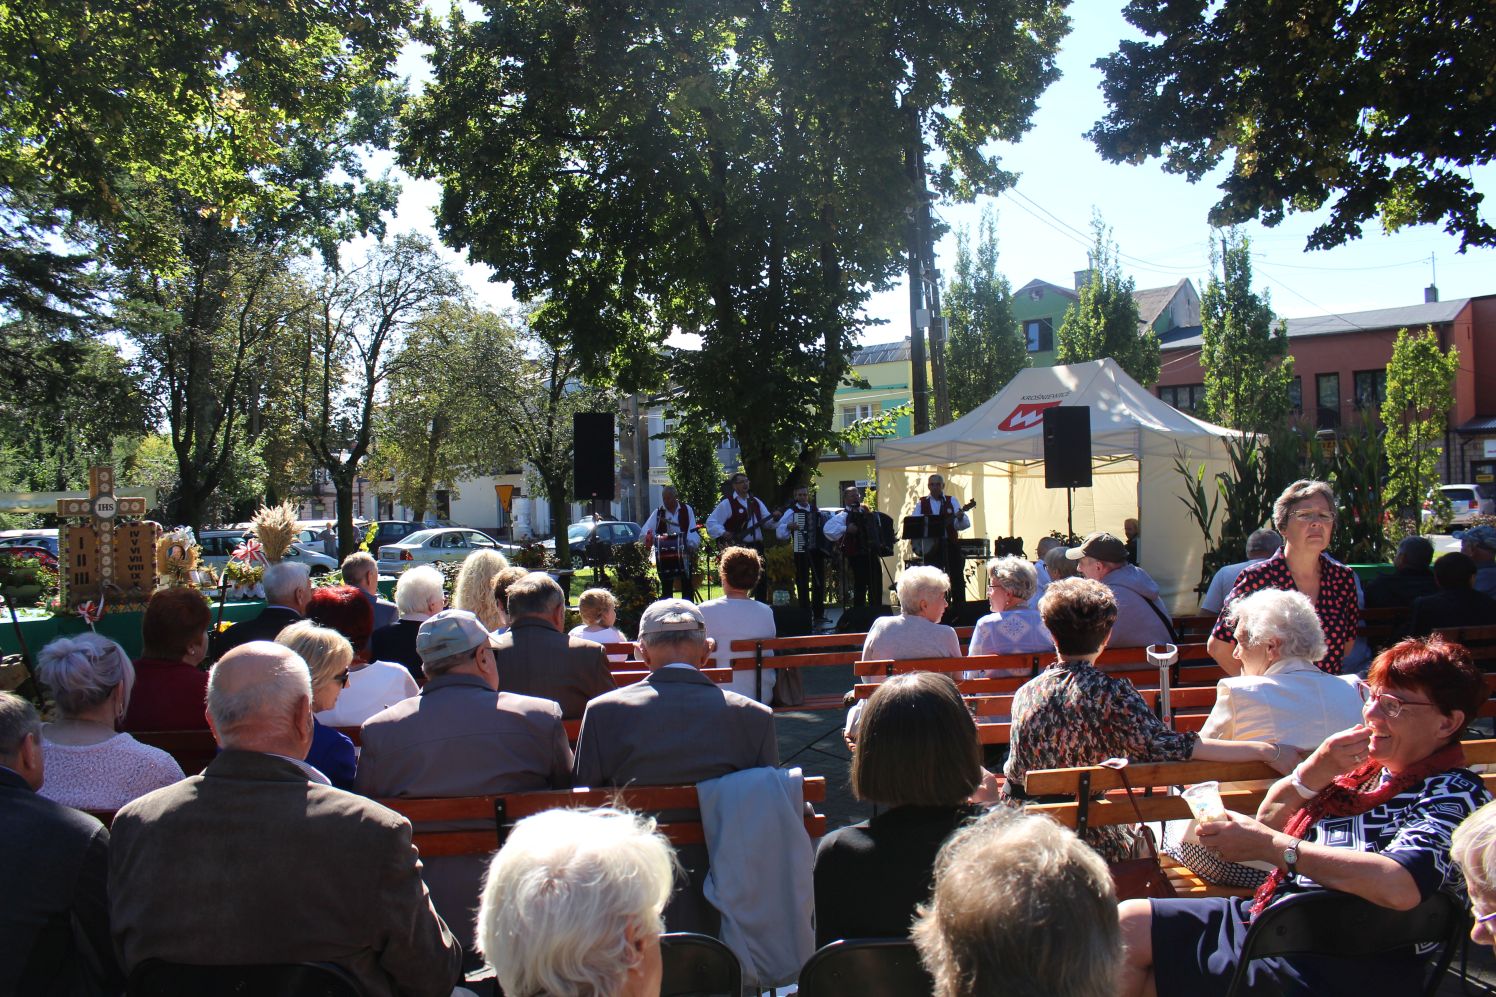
x: 1337, y: 608
x: 1071, y: 715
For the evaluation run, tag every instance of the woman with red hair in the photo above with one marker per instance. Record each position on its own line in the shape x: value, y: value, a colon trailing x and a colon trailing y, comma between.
x: 170, y: 687
x: 1369, y: 813
x: 372, y: 685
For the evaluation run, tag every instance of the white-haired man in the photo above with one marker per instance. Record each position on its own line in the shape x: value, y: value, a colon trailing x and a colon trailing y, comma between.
x: 288, y: 590
x: 461, y: 737
x: 419, y: 595
x: 258, y: 860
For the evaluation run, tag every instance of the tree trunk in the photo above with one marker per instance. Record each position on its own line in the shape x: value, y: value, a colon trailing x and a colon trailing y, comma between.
x: 555, y: 491
x: 348, y: 539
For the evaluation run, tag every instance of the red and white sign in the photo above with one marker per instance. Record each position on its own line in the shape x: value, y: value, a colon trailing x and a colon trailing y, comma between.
x: 1026, y: 416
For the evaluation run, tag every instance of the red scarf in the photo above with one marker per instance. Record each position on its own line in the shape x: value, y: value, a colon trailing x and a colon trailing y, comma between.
x: 1344, y: 797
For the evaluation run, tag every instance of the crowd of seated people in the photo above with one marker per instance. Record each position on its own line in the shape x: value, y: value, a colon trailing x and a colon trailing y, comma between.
x: 575, y: 901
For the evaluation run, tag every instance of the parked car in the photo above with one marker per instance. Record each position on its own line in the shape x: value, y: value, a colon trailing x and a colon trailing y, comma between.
x: 24, y: 538
x: 388, y: 531
x: 219, y: 545
x: 579, y: 536
x: 430, y: 546
x: 1465, y: 503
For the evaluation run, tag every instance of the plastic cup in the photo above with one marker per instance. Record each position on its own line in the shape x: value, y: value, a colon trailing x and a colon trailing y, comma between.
x: 1204, y: 800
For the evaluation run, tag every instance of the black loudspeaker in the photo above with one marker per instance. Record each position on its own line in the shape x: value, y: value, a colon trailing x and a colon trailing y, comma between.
x: 860, y: 620
x: 592, y: 455
x: 1067, y: 446
x: 792, y: 621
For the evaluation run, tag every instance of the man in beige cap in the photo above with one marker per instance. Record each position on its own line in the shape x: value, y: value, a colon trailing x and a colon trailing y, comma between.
x: 1141, y: 616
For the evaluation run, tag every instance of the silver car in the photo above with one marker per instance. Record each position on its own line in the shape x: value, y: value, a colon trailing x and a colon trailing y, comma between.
x: 218, y: 546
x: 429, y: 546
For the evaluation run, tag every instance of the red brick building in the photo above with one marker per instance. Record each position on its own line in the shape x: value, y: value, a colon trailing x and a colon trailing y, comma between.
x: 1340, y: 367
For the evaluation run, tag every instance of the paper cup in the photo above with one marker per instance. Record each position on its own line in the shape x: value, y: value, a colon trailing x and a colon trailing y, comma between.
x: 1204, y: 800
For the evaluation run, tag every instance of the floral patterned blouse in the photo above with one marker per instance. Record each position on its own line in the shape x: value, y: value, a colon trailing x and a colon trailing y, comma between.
x: 1338, y: 609
x: 1070, y: 715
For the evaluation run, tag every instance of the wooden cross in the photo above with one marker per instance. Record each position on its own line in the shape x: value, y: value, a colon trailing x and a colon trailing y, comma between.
x: 90, y: 559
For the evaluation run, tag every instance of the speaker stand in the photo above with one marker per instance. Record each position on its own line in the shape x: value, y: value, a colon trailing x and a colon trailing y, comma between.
x: 1070, y: 511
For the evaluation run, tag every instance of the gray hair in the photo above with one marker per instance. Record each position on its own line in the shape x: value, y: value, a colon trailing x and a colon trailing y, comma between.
x: 1473, y: 847
x: 1282, y: 615
x: 1021, y: 905
x: 81, y: 672
x: 691, y: 642
x: 1300, y: 491
x: 1015, y: 575
x: 536, y: 594
x: 1417, y: 551
x: 1047, y: 544
x: 282, y: 579
x: 1263, y: 542
x: 562, y: 894
x: 18, y: 721
x: 1058, y: 565
x: 919, y: 583
x: 359, y: 564
x: 285, y: 685
x: 441, y: 666
x: 417, y: 587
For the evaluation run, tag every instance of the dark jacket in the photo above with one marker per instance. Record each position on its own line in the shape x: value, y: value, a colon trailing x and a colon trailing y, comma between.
x: 1400, y: 588
x: 536, y: 659
x: 267, y: 626
x: 1451, y: 608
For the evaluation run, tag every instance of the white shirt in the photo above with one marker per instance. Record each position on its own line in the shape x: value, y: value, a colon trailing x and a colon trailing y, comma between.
x: 672, y: 525
x: 716, y: 523
x: 605, y: 635
x: 374, y: 687
x: 728, y: 620
x: 1222, y: 584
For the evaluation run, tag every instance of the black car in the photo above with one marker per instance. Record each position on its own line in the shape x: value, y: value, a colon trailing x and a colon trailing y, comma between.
x: 581, y: 536
x: 388, y: 531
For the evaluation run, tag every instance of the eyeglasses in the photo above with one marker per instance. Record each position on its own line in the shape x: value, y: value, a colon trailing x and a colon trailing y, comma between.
x: 1485, y: 918
x: 1312, y: 518
x: 1390, y: 706
x: 342, y: 677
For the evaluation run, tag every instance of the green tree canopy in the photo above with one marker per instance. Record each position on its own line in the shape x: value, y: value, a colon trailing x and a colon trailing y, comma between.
x: 1104, y: 321
x: 1243, y: 354
x: 1376, y: 109
x: 730, y: 169
x: 985, y: 348
x: 1420, y: 392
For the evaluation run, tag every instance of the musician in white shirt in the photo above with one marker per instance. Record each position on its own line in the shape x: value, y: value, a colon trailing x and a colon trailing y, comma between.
x: 803, y: 524
x: 674, y: 523
x: 854, y: 530
x: 941, y: 550
x: 739, y: 520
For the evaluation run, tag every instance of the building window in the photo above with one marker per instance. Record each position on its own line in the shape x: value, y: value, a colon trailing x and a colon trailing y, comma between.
x: 1371, y: 388
x: 1184, y: 397
x: 864, y: 410
x: 1039, y: 335
x: 1327, y: 399
x: 1296, y: 394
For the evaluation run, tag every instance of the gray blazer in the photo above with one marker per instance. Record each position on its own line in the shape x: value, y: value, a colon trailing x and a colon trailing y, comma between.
x: 251, y: 862
x: 535, y: 659
x: 460, y: 738
x: 676, y: 726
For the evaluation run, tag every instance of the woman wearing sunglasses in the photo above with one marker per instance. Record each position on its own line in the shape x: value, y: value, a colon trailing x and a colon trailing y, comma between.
x: 1474, y: 851
x: 1371, y: 813
x: 329, y: 656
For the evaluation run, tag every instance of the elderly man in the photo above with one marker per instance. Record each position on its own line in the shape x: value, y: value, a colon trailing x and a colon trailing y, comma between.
x: 670, y: 533
x: 362, y: 572
x: 1411, y: 577
x: 1479, y: 544
x: 536, y: 657
x: 288, y: 589
x: 461, y: 737
x: 54, y: 921
x: 855, y: 531
x: 258, y: 860
x: 419, y: 595
x: 676, y: 726
x: 940, y: 549
x: 1141, y: 616
x: 1261, y: 545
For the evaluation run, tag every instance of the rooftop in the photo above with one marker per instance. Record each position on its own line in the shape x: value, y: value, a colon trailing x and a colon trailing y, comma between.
x: 1407, y: 316
x: 881, y: 353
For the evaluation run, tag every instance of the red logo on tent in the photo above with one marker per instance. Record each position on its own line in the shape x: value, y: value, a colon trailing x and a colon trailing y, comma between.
x: 1025, y: 416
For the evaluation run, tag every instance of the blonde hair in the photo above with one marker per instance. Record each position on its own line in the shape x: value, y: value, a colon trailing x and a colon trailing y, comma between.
x: 473, y: 590
x: 593, y: 603
x: 325, y: 651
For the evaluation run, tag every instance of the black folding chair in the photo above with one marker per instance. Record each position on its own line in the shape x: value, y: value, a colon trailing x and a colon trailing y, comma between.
x: 1336, y: 924
x: 154, y: 978
x: 868, y: 967
x: 698, y: 964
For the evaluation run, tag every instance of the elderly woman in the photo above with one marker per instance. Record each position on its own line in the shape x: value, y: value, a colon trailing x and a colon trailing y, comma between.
x: 736, y: 615
x: 1473, y: 849
x: 502, y: 582
x: 1305, y: 515
x: 329, y: 658
x: 1371, y: 813
x: 917, y: 632
x: 1013, y: 626
x: 419, y: 595
x: 1073, y: 714
x: 1058, y: 566
x: 1279, y: 697
x: 917, y: 755
x: 572, y: 905
x: 88, y: 764
x: 473, y: 590
x: 371, y: 685
x: 170, y: 688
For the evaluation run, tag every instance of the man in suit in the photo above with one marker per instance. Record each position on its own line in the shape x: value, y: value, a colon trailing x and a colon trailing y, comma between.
x: 461, y: 737
x: 54, y: 921
x: 536, y: 657
x: 1411, y: 578
x: 1457, y: 603
x: 258, y: 860
x: 288, y: 589
x: 362, y: 572
x: 675, y: 727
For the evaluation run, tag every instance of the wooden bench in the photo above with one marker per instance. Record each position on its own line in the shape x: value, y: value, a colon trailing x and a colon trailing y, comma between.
x: 192, y: 749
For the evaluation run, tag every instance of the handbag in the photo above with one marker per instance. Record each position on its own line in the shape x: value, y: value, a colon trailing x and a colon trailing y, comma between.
x: 1139, y: 878
x: 789, y: 687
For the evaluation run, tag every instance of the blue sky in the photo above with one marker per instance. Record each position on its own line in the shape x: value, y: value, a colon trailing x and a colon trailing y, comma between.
x: 1158, y: 219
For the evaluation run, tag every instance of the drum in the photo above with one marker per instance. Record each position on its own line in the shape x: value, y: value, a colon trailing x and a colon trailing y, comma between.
x: 670, y: 555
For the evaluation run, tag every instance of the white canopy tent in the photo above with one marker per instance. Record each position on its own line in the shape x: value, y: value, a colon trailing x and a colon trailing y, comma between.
x: 995, y: 454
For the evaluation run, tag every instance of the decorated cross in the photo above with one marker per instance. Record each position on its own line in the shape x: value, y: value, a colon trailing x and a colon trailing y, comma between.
x: 104, y: 559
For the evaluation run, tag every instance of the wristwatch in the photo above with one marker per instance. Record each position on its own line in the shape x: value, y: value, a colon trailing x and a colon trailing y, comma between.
x: 1291, y: 858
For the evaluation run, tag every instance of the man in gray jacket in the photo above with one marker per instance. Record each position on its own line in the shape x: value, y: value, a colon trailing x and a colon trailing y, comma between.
x: 537, y: 657
x: 461, y: 737
x: 1141, y: 616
